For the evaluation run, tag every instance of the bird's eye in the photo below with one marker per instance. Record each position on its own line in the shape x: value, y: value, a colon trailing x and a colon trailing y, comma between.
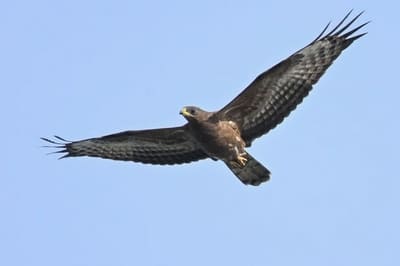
x: 192, y: 111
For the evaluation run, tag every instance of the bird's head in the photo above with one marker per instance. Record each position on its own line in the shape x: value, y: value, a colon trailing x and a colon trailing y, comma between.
x: 192, y: 113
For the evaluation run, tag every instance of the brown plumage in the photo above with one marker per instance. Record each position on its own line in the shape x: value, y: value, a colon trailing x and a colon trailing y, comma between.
x: 223, y: 135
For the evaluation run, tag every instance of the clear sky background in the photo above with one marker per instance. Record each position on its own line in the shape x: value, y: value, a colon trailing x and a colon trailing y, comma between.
x: 83, y: 69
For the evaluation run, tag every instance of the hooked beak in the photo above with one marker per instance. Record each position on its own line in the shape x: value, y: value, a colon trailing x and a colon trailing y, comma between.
x: 184, y: 112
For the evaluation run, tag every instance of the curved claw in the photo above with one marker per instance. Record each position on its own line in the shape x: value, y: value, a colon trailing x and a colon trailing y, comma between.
x: 241, y: 160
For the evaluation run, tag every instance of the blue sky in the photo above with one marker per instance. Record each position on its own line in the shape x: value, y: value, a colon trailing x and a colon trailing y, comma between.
x: 82, y: 69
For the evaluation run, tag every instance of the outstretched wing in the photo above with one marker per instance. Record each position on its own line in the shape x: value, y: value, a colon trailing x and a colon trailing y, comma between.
x: 154, y: 146
x: 275, y: 93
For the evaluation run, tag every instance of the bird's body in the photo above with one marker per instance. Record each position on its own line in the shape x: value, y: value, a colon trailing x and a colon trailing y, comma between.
x: 219, y: 139
x: 224, y: 135
x: 222, y: 140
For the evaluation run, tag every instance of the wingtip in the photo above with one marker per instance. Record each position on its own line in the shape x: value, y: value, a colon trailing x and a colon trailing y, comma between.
x: 61, y: 145
x: 49, y: 140
x: 339, y: 29
x: 59, y: 140
x: 64, y: 156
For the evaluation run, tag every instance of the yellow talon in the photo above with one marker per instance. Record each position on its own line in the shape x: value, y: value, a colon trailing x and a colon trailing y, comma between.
x: 242, y: 160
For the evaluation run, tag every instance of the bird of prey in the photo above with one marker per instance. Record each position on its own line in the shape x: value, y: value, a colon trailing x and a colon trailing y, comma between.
x: 224, y: 134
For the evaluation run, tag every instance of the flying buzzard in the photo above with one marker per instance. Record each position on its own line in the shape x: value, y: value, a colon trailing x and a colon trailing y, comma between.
x: 224, y: 135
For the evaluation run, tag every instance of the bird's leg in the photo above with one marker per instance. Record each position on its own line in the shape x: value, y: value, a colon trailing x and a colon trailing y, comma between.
x: 241, y: 160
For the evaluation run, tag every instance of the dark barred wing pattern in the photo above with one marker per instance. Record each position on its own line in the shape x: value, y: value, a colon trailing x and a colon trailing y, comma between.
x: 275, y: 93
x: 154, y: 146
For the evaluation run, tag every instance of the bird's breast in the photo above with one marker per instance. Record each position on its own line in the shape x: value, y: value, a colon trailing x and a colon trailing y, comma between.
x: 219, y: 140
